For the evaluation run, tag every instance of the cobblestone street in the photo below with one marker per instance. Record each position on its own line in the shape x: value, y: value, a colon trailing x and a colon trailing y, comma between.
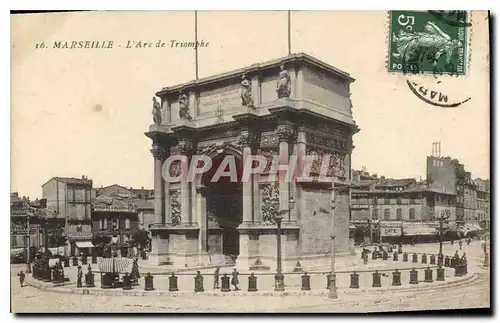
x: 470, y: 294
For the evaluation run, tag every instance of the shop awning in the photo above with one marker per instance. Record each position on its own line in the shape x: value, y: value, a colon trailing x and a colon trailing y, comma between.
x: 84, y: 244
x: 115, y: 265
x: 419, y: 231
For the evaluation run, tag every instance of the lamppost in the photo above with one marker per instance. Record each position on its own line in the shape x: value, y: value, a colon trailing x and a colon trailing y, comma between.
x: 279, y: 279
x: 333, y: 284
x: 28, y: 244
x: 443, y: 217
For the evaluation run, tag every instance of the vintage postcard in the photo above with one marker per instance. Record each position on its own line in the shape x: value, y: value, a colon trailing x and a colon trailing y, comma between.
x: 197, y: 161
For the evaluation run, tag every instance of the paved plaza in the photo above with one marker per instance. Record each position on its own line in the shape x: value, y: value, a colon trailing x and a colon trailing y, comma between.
x: 470, y: 292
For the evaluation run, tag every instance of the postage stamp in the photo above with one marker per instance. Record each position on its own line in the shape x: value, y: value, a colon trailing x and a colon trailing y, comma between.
x: 428, y: 42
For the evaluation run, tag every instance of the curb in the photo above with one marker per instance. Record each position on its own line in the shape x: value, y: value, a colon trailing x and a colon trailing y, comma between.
x: 101, y: 292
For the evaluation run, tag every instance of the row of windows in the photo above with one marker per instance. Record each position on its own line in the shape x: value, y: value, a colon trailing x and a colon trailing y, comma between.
x: 105, y: 224
x: 399, y: 214
x: 385, y: 201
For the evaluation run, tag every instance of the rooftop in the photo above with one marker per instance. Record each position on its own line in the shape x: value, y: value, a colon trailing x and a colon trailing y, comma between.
x: 72, y: 180
x: 298, y: 57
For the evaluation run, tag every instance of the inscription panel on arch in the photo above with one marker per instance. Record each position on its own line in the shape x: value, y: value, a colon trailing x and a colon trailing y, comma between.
x: 222, y: 98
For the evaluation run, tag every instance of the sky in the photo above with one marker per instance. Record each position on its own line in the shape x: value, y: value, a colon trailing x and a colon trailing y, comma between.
x: 81, y: 112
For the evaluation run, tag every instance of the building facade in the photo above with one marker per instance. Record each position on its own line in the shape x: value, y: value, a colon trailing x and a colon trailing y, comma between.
x: 70, y: 198
x: 115, y: 217
x: 24, y: 212
x: 394, y: 209
x: 450, y: 175
x: 483, y: 203
x: 296, y: 105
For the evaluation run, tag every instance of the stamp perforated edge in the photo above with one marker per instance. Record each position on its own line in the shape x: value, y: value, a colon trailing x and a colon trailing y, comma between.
x: 468, y: 49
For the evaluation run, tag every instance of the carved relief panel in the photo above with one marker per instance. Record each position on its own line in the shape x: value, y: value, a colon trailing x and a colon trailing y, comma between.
x: 175, y: 207
x: 270, y: 202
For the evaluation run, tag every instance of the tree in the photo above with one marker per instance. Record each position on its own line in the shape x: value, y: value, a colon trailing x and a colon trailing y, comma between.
x: 140, y: 237
x: 100, y: 240
x: 56, y: 237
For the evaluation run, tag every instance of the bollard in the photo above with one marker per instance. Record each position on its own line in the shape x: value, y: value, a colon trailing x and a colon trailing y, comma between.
x: 415, y: 258
x: 440, y: 274
x: 458, y: 270
x: 66, y: 262
x: 306, y: 282
x: 354, y: 280
x: 432, y: 260
x: 198, y: 283
x: 84, y: 260
x: 94, y: 258
x: 424, y: 258
x: 148, y: 282
x: 453, y: 262
x: 75, y: 261
x: 428, y: 275
x: 396, y: 278
x: 405, y: 257
x: 127, y: 285
x: 440, y: 260
x: 225, y: 283
x: 107, y: 281
x: 48, y: 275
x: 385, y: 256
x: 279, y: 282
x: 172, y: 283
x: 328, y: 278
x: 413, y: 276
x: 395, y: 256
x: 252, y: 283
x: 447, y: 261
x: 376, y: 279
x: 89, y: 280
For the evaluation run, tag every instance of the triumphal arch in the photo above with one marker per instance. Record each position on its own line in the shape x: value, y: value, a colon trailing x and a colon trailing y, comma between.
x: 293, y: 106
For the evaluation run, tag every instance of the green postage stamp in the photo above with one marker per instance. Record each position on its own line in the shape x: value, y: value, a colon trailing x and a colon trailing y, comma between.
x: 428, y: 42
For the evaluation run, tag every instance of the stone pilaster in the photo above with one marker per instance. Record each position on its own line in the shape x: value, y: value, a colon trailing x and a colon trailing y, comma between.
x: 299, y: 84
x: 159, y: 155
x: 185, y: 149
x: 247, y: 185
x: 286, y: 135
x: 256, y: 90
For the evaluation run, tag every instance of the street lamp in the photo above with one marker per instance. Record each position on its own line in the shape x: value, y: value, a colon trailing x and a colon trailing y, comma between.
x: 443, y: 217
x: 333, y: 284
x: 28, y: 244
x: 279, y: 279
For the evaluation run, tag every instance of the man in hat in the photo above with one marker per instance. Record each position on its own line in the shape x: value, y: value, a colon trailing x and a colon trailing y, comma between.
x: 234, y: 279
x: 216, y: 278
x: 79, y: 276
x: 21, y: 278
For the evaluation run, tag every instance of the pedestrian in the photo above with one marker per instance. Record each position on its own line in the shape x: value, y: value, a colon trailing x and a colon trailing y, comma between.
x: 21, y: 278
x: 452, y: 241
x: 468, y: 241
x: 460, y: 244
x: 216, y: 278
x: 234, y: 280
x: 79, y: 276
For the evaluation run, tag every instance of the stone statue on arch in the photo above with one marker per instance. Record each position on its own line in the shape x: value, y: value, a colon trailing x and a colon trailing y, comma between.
x: 156, y: 111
